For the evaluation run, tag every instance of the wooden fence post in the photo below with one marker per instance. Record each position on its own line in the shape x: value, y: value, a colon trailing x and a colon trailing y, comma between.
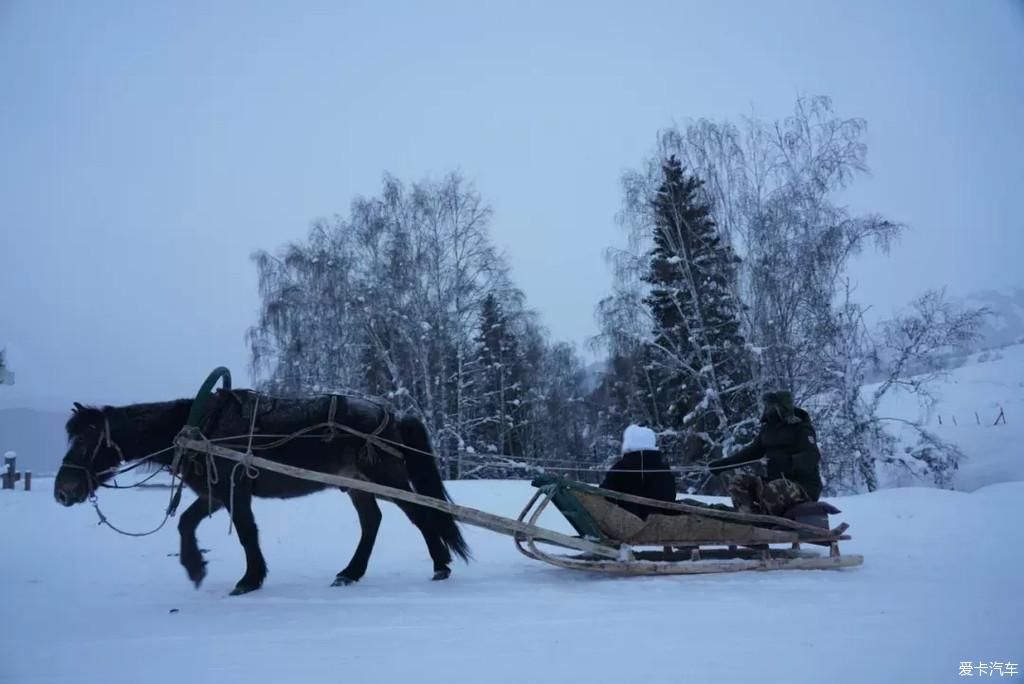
x: 9, y: 477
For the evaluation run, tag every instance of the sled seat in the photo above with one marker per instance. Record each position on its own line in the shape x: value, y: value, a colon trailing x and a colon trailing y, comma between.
x: 812, y: 513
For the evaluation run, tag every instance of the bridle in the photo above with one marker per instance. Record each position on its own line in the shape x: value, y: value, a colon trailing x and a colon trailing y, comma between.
x: 105, y: 440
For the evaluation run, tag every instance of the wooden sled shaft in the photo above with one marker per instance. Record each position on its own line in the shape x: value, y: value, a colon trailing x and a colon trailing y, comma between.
x: 470, y: 516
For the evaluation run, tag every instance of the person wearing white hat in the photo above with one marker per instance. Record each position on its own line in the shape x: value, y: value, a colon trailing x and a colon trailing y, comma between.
x: 641, y: 471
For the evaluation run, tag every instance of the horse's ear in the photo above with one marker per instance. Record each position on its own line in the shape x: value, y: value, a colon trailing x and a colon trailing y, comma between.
x: 78, y: 407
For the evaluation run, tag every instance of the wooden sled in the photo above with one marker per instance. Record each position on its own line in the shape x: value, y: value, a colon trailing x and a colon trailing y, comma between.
x: 687, y: 538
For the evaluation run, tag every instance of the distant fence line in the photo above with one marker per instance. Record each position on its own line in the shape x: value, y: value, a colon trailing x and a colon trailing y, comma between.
x: 999, y: 420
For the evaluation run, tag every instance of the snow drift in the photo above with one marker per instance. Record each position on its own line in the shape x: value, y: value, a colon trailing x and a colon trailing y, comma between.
x: 969, y: 403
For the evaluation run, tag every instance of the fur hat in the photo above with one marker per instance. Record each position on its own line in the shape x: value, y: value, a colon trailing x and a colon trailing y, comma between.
x: 637, y: 438
x: 779, y: 403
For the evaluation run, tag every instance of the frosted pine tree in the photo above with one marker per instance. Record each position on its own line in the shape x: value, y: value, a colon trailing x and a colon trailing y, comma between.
x: 698, y: 356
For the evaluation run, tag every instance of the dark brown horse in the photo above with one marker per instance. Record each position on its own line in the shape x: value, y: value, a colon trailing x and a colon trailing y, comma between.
x: 308, y: 433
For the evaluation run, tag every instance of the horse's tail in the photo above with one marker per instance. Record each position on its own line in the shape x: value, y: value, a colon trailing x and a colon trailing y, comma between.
x: 426, y: 480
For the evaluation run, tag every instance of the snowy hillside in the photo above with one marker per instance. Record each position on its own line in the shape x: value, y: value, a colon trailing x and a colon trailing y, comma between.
x: 1006, y: 324
x: 83, y: 604
x: 969, y: 402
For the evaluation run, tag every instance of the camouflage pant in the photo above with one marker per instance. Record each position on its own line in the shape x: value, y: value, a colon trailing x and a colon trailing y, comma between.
x: 751, y: 494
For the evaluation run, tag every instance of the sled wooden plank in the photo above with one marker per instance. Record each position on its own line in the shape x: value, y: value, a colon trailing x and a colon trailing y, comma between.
x: 624, y: 526
x: 471, y: 516
x: 575, y: 503
x: 707, y: 554
x: 725, y: 561
x: 553, y: 480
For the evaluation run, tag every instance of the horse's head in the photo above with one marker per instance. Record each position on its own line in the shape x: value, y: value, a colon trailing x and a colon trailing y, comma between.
x: 92, y: 457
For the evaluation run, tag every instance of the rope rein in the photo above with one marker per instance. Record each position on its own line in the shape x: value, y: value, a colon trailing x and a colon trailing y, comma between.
x: 330, y: 418
x: 171, y: 505
x: 372, y: 441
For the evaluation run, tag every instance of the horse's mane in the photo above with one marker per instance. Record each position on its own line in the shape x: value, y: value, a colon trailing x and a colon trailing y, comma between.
x: 91, y: 417
x: 83, y: 417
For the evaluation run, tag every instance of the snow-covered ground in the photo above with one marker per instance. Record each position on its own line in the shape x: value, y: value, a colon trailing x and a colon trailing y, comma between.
x: 969, y: 401
x: 941, y: 584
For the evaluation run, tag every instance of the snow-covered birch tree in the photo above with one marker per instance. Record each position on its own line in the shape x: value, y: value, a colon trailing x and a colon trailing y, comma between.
x: 387, y: 301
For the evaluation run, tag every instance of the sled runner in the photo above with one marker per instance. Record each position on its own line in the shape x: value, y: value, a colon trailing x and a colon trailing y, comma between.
x: 681, y: 538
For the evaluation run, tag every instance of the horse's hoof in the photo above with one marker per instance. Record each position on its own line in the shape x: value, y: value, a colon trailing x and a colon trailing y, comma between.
x: 343, y: 581
x: 241, y: 588
x: 441, y: 574
x: 197, y: 574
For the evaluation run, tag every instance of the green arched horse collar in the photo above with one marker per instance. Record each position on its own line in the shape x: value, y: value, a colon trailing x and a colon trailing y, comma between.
x: 196, y: 412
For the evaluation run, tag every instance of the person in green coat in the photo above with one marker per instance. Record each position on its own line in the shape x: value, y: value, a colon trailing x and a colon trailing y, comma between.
x: 788, y: 442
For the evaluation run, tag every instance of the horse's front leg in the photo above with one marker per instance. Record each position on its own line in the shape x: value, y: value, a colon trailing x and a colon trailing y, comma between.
x: 190, y: 556
x: 248, y: 536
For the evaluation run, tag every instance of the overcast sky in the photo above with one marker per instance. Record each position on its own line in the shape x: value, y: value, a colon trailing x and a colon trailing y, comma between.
x: 149, y: 148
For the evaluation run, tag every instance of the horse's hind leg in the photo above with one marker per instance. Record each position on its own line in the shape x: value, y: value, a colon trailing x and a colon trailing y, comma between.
x: 190, y: 556
x: 423, y: 518
x: 369, y: 522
